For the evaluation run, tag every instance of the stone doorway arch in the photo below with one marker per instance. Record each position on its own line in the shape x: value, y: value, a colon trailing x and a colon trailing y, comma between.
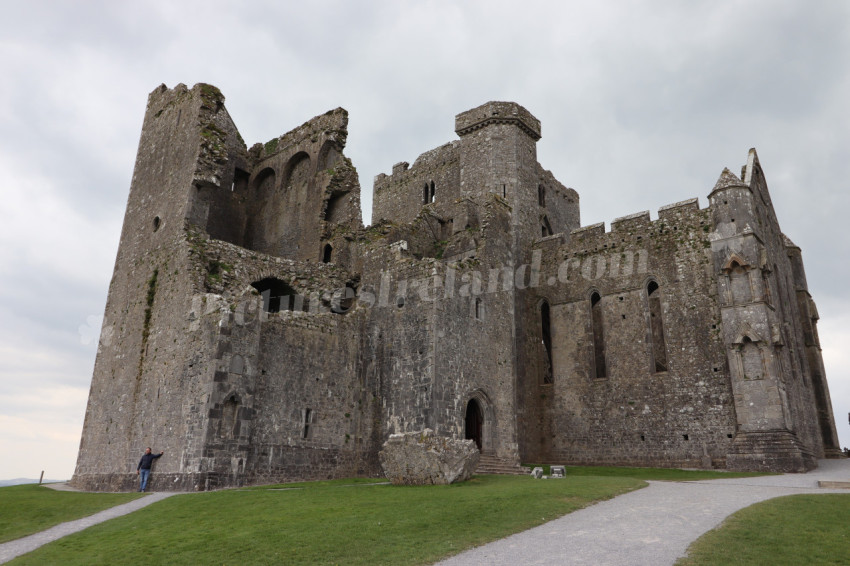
x: 478, y: 421
x: 474, y: 422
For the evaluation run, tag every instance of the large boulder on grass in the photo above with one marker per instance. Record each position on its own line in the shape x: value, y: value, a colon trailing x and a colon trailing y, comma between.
x: 423, y: 458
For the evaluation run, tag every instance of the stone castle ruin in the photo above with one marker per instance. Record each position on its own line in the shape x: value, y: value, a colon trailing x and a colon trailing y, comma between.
x: 256, y: 331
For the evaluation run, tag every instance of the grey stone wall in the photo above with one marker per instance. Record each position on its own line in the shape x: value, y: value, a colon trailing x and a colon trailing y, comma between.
x: 638, y: 413
x: 256, y: 332
x: 400, y: 196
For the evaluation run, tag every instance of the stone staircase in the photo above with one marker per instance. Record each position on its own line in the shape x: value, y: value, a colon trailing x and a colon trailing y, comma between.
x: 492, y: 464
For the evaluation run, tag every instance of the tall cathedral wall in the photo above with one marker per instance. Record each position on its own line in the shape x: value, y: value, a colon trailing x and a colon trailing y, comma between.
x: 630, y: 407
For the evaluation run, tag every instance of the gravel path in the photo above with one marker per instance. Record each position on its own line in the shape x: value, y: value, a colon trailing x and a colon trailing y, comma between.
x: 15, y: 548
x: 651, y: 526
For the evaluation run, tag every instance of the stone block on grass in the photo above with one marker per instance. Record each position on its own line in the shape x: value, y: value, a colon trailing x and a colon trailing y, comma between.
x: 423, y: 458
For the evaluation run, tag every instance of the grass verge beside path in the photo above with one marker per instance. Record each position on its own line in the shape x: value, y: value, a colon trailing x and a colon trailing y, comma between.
x: 796, y: 529
x: 344, y: 521
x: 30, y: 508
x: 657, y: 474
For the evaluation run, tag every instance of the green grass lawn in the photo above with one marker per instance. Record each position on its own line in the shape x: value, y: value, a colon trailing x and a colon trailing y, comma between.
x: 336, y: 522
x: 658, y: 474
x: 797, y: 529
x: 30, y: 508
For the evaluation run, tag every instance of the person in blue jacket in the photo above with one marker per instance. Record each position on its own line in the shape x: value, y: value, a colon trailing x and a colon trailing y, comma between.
x: 143, y: 470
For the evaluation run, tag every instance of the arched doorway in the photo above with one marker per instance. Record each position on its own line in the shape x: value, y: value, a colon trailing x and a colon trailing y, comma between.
x: 474, y: 422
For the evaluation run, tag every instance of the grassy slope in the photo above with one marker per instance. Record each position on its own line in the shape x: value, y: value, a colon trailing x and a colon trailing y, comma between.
x: 30, y: 508
x: 329, y: 522
x: 797, y: 529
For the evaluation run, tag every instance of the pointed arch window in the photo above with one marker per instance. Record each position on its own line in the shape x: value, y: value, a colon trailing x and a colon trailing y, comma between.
x: 599, y: 361
x: 656, y: 327
x: 740, y: 287
x: 429, y: 193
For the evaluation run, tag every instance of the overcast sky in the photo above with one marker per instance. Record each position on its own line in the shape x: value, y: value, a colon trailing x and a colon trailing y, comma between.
x: 642, y: 104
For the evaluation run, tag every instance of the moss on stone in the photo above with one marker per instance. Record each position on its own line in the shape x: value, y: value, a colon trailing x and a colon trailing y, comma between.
x: 271, y: 145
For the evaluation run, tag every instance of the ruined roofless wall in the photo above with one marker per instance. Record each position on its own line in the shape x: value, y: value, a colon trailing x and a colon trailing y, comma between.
x: 288, y: 197
x: 156, y: 378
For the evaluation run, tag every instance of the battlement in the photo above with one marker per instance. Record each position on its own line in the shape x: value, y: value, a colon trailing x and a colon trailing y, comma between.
x: 684, y: 206
x: 497, y: 113
x: 162, y: 96
x: 641, y: 220
x: 597, y: 229
x: 631, y: 222
x: 431, y: 159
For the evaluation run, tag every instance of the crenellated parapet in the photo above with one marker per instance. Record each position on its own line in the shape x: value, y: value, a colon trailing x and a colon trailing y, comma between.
x: 493, y: 113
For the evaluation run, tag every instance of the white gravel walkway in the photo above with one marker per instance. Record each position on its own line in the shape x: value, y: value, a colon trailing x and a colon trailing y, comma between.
x: 652, y: 526
x: 15, y: 548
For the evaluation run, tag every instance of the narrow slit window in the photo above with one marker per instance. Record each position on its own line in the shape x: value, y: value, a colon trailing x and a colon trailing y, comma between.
x: 659, y: 348
x: 598, y: 335
x: 546, y: 335
x: 307, y: 420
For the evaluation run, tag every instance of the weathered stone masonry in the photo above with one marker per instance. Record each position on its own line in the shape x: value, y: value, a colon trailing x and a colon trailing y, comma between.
x: 256, y: 331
